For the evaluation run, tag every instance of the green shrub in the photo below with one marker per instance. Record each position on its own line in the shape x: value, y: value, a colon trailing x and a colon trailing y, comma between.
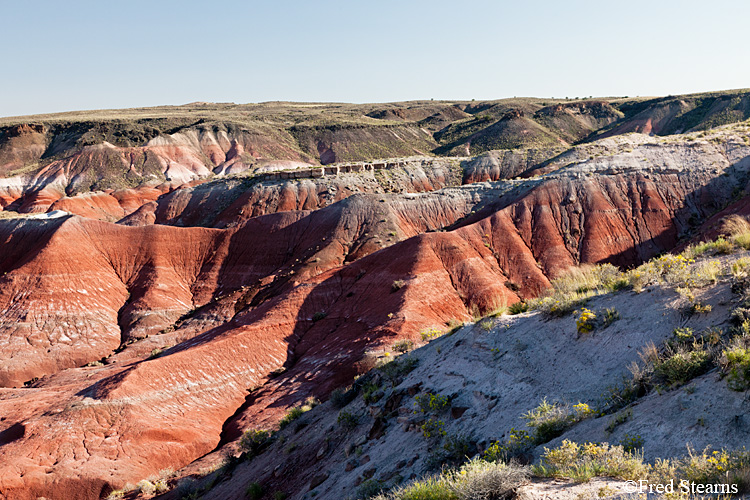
x: 518, y: 308
x: 551, y: 420
x: 738, y: 366
x: 371, y: 393
x: 518, y: 442
x: 610, y: 316
x: 395, y: 370
x: 632, y: 443
x: 682, y: 366
x: 369, y: 489
x: 347, y: 420
x: 254, y: 441
x: 433, y: 428
x: 618, y: 419
x: 318, y: 316
x: 291, y: 416
x: 431, y: 488
x: 455, y: 450
x: 254, y: 491
x: 721, y: 466
x: 403, y: 346
x: 342, y: 396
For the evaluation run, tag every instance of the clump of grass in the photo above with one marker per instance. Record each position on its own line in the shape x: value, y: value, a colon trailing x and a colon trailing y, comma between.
x: 518, y: 308
x: 347, y: 420
x: 550, y: 420
x: 455, y: 450
x: 740, y: 267
x: 571, y: 290
x: 479, y: 479
x: 486, y: 324
x: 431, y: 488
x: 610, y: 316
x: 396, y: 369
x: 397, y: 285
x: 298, y: 411
x: 736, y: 363
x: 475, y: 480
x: 254, y: 441
x: 403, y: 346
x: 371, y: 393
x: 254, y: 491
x: 583, y: 462
x: 342, y: 396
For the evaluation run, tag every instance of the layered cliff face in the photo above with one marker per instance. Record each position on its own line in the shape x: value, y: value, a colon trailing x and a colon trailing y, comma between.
x: 121, y: 157
x: 138, y: 344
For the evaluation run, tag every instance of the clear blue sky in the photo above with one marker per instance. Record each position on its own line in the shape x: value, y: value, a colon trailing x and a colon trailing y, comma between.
x: 70, y: 55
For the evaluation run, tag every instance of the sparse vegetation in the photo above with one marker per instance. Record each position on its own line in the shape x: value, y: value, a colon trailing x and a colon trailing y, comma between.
x: 585, y: 320
x: 254, y: 441
x: 347, y: 420
x: 583, y: 462
x: 396, y: 369
x: 433, y: 428
x: 431, y: 403
x: 518, y: 308
x: 430, y: 334
x: 549, y: 420
x: 402, y: 346
x: 342, y: 396
x: 254, y: 491
x: 475, y: 480
x: 298, y: 411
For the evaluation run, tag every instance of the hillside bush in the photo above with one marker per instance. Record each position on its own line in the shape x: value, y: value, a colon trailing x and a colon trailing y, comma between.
x: 583, y: 462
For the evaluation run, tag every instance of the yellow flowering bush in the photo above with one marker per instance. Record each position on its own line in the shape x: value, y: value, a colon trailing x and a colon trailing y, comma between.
x: 585, y: 320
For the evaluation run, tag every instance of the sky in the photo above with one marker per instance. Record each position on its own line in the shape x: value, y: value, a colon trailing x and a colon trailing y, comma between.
x: 76, y: 55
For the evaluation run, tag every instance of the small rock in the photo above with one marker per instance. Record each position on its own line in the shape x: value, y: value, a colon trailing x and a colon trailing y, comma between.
x: 364, y: 459
x: 322, y: 451
x: 348, y: 449
x: 369, y: 473
x: 400, y: 464
x: 378, y: 429
x: 318, y: 480
x: 350, y: 465
x: 458, y: 411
